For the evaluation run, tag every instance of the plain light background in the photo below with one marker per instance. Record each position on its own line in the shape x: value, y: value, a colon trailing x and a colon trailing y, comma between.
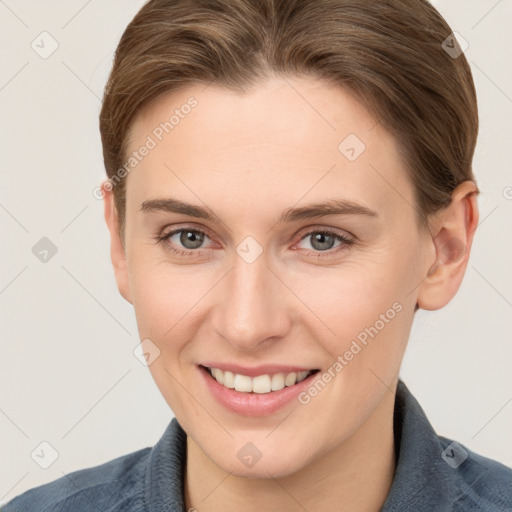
x: 68, y: 375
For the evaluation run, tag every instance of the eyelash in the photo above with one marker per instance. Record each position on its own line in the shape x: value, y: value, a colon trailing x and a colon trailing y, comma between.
x: 345, y: 241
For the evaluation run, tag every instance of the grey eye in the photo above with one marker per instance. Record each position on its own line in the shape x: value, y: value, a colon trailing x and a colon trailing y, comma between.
x: 322, y: 241
x: 190, y: 239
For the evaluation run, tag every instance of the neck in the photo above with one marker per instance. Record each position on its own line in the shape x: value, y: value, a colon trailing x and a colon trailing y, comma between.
x: 355, y: 476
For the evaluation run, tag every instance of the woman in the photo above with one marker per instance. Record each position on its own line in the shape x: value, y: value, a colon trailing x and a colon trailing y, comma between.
x: 289, y: 181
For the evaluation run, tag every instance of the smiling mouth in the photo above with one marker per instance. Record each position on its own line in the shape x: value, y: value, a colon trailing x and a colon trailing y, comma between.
x: 260, y: 384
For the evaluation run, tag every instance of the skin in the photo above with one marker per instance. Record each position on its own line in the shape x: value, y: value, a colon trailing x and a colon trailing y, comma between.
x: 248, y: 157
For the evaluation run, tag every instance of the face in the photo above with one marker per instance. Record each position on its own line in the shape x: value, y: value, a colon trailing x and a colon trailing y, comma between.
x: 257, y: 280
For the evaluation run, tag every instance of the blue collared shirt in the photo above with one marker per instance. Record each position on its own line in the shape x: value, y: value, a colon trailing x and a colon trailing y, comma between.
x: 433, y: 474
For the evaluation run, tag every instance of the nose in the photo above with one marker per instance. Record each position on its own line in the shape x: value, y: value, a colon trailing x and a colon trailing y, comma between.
x: 251, y: 311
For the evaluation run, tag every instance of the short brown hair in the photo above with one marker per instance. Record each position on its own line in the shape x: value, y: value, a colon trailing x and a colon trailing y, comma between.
x: 389, y: 54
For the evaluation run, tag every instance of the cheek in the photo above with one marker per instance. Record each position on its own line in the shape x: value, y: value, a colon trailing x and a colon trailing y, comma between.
x: 163, y: 300
x: 366, y: 301
x: 169, y: 301
x: 159, y: 296
x: 365, y: 326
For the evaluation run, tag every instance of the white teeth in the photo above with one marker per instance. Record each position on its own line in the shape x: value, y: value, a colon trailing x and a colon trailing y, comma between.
x: 259, y: 384
x: 277, y: 381
x: 242, y: 383
x: 290, y: 379
x: 229, y: 379
x: 301, y: 376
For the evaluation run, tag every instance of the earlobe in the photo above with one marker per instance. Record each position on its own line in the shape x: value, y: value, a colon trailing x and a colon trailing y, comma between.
x: 454, y: 228
x: 117, y: 250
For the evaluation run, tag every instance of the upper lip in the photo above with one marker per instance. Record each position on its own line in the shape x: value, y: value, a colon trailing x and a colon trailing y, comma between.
x: 254, y: 371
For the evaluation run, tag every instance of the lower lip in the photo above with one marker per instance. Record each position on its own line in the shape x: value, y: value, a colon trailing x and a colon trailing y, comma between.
x: 254, y: 404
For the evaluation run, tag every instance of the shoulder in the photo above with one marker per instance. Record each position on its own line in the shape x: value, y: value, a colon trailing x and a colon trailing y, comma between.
x: 115, y: 485
x: 437, y: 473
x: 481, y: 483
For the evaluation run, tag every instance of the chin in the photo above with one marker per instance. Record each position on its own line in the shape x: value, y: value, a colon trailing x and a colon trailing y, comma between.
x: 272, y: 459
x: 275, y: 467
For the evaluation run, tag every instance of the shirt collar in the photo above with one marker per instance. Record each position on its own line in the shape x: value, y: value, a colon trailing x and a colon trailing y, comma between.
x: 165, y: 473
x: 423, y: 481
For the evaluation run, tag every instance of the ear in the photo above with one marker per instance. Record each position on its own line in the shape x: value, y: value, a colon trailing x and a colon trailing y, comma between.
x: 452, y: 236
x: 117, y: 251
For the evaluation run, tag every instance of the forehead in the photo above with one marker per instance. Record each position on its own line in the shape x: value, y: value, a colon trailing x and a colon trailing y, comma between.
x: 285, y: 139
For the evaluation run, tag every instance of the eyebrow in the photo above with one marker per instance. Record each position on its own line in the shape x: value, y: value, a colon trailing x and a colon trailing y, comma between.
x: 311, y: 211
